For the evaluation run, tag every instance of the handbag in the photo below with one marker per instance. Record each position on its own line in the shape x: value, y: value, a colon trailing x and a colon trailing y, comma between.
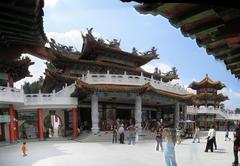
x: 238, y: 149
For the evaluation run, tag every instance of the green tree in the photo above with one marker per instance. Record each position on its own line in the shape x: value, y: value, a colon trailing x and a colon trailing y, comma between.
x: 33, y: 87
x: 237, y: 110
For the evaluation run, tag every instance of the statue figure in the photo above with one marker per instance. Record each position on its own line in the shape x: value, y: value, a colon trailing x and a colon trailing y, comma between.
x: 154, y: 51
x: 114, y: 43
x: 174, y: 70
x: 101, y: 41
x: 134, y: 51
x: 89, y: 34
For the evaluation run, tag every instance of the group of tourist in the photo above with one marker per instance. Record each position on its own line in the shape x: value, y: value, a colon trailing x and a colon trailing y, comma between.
x: 120, y: 132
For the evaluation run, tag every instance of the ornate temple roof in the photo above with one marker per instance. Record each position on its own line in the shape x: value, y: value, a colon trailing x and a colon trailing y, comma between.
x: 95, y: 49
x: 207, y: 83
x: 82, y: 87
x: 218, y: 97
x: 21, y: 23
x: 18, y: 68
x: 63, y: 57
x: 216, y: 28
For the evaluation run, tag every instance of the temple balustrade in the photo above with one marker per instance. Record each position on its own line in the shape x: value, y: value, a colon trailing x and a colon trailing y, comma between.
x: 11, y: 95
x: 125, y: 79
x: 16, y: 96
x: 209, y: 110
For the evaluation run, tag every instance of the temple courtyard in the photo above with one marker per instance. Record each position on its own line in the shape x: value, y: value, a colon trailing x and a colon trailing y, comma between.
x: 73, y: 153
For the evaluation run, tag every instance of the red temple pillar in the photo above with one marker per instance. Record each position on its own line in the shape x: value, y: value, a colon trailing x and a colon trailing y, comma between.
x: 206, y: 122
x: 11, y: 123
x: 40, y: 123
x: 14, y: 125
x: 2, y: 136
x: 75, y: 122
x: 10, y: 81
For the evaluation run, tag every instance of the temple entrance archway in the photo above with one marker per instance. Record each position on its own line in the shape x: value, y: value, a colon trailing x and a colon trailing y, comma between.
x: 53, y: 125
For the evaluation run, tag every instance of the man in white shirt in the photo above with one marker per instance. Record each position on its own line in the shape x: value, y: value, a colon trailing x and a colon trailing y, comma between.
x: 210, y: 139
x: 121, y: 133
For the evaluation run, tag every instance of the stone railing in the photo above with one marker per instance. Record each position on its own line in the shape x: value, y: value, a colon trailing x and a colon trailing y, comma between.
x: 48, y: 99
x: 124, y: 79
x: 11, y: 95
x: 219, y: 111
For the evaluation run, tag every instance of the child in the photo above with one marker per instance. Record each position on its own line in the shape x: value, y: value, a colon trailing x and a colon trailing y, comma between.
x: 24, y: 149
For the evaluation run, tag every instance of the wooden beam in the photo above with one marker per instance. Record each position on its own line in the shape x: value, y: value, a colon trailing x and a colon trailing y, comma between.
x: 230, y: 64
x: 230, y: 56
x: 205, y: 28
x: 236, y: 69
x: 215, y: 51
x: 191, y: 15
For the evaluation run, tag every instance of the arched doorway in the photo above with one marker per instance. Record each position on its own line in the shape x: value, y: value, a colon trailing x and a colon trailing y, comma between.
x: 53, y: 125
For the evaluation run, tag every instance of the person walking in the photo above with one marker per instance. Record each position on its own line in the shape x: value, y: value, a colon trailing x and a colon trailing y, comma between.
x: 214, y: 137
x: 24, y: 149
x: 178, y: 134
x: 131, y: 134
x: 227, y: 136
x: 196, y: 134
x: 121, y: 134
x: 236, y: 144
x: 114, y: 139
x: 169, y: 150
x: 159, y: 139
x: 209, y: 144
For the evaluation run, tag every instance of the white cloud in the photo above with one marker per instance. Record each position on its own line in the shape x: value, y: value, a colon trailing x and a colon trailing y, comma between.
x: 50, y: 3
x: 151, y: 68
x: 70, y: 38
x: 36, y: 70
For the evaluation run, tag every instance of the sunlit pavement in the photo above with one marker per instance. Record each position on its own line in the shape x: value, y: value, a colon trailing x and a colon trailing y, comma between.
x: 71, y: 153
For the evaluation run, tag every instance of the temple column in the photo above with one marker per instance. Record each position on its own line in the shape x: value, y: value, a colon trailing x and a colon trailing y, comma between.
x: 206, y: 122
x: 95, y: 114
x: 11, y: 123
x: 176, y: 114
x: 138, y: 112
x: 75, y: 122
x: 184, y: 112
x: 40, y: 124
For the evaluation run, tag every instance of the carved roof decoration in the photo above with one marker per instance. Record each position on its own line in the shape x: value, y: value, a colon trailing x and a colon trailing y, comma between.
x: 93, y: 47
x: 18, y: 69
x: 207, y: 83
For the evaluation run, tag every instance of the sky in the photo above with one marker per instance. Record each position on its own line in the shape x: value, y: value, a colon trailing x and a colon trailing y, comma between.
x: 65, y: 20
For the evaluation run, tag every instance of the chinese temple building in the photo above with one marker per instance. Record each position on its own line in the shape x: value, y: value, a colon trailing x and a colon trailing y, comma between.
x: 207, y: 92
x: 110, y: 84
x: 207, y: 96
x: 92, y: 89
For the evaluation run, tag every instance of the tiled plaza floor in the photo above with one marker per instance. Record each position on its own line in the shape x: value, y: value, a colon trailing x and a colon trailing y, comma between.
x: 71, y: 153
